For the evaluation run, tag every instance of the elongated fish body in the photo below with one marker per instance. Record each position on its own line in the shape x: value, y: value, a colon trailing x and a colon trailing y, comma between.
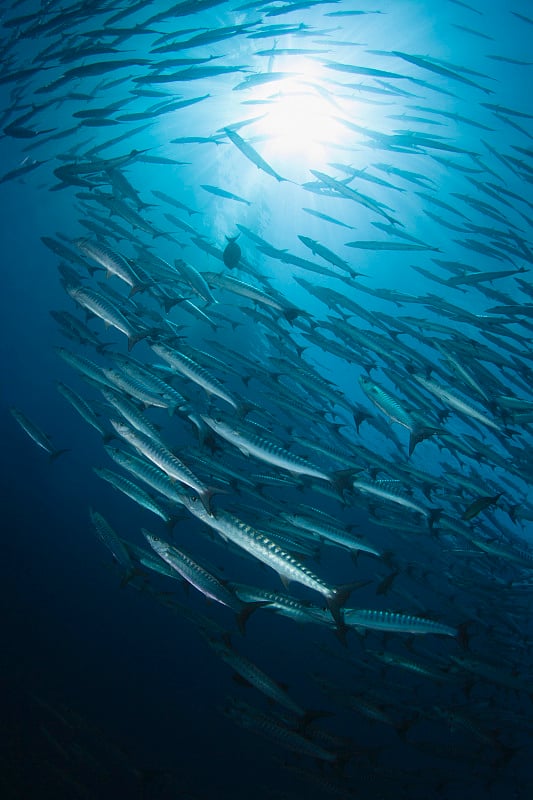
x: 193, y: 572
x: 131, y: 413
x: 255, y: 676
x: 161, y: 456
x: 147, y: 472
x: 455, y: 402
x: 386, y: 403
x: 195, y: 280
x: 133, y: 491
x: 329, y: 533
x: 251, y: 154
x: 85, y: 367
x: 396, y: 623
x: 197, y: 373
x: 273, y: 729
x: 247, y: 290
x: 82, y: 407
x: 35, y: 433
x: 161, y: 396
x: 111, y: 540
x: 393, y: 659
x: 251, y: 444
x: 114, y: 263
x: 380, y: 490
x: 107, y: 311
x: 152, y: 383
x: 283, y: 604
x: 261, y: 547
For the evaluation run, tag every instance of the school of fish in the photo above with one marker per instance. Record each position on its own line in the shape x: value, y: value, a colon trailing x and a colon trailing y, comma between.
x: 367, y: 438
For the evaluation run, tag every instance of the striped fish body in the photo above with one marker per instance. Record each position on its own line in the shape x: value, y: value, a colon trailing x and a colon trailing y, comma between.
x: 195, y: 372
x: 251, y: 444
x: 397, y: 623
x: 261, y: 547
x: 109, y: 538
x: 82, y: 407
x: 256, y: 677
x: 386, y: 403
x: 131, y: 413
x: 114, y: 263
x: 102, y: 307
x: 133, y: 491
x: 193, y: 572
x: 329, y: 533
x: 151, y: 394
x: 162, y: 457
x: 147, y: 472
x: 455, y: 402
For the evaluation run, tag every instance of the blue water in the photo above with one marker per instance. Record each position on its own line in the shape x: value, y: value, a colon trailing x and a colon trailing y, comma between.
x: 108, y: 690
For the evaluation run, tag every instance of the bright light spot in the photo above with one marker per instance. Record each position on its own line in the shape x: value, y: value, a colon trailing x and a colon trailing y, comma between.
x: 301, y: 123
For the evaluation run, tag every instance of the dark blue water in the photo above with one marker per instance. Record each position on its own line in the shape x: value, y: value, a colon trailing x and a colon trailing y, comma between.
x: 108, y: 689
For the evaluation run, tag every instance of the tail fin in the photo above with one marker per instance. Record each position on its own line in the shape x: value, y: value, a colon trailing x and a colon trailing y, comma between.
x: 246, y: 612
x: 57, y: 453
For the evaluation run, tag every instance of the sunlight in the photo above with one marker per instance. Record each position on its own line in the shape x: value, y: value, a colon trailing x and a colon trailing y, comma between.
x: 300, y: 123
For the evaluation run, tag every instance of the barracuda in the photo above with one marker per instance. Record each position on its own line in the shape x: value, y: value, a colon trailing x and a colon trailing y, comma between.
x: 397, y: 623
x: 199, y: 577
x: 104, y: 308
x: 264, y: 549
x: 109, y: 538
x: 455, y: 402
x: 134, y: 492
x: 158, y: 394
x: 256, y: 677
x: 195, y: 372
x: 329, y: 533
x: 162, y: 457
x: 380, y: 490
x: 250, y: 444
x: 114, y: 263
x: 36, y: 434
x: 149, y: 473
x: 395, y: 412
x: 83, y: 408
x: 131, y: 413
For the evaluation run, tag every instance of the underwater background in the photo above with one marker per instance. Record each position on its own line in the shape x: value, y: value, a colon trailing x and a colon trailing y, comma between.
x: 294, y: 239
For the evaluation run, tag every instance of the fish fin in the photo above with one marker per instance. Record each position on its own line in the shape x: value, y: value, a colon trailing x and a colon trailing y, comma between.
x: 419, y: 434
x: 246, y: 612
x: 342, y: 479
x: 58, y: 453
x: 285, y: 581
x: 434, y: 516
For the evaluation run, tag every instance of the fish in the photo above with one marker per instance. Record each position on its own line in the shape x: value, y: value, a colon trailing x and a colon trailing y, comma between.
x: 264, y: 549
x: 188, y: 367
x: 232, y: 252
x: 395, y: 623
x: 99, y: 305
x: 225, y: 194
x: 199, y: 577
x: 35, y: 433
x: 162, y: 457
x: 251, y: 154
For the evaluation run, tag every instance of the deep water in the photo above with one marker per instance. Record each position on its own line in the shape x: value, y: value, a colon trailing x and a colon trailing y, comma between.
x: 110, y: 688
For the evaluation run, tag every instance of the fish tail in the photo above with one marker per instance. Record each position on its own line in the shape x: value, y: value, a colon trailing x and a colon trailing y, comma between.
x: 419, y: 434
x: 56, y: 453
x: 434, y: 516
x: 132, y: 340
x: 342, y: 479
x: 338, y: 599
x: 246, y: 612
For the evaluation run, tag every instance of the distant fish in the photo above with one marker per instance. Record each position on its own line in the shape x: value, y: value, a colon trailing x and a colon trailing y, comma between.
x: 36, y: 434
x: 232, y: 252
x: 251, y: 154
x: 223, y: 193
